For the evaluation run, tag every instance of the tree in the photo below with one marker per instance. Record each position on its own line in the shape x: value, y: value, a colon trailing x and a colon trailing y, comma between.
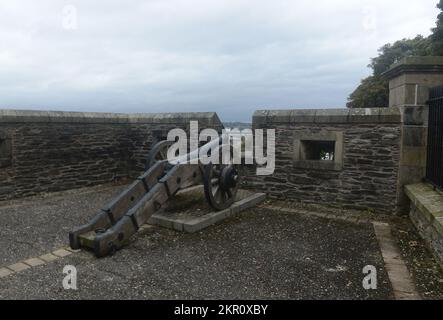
x: 437, y: 33
x: 373, y: 92
x: 392, y: 53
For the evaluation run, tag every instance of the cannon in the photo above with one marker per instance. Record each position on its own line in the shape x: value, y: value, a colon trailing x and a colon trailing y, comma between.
x: 111, y: 228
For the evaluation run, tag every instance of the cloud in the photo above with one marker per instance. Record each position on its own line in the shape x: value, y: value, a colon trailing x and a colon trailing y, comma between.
x: 195, y: 55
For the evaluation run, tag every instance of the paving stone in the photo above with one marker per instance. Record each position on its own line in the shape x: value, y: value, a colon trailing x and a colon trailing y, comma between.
x: 18, y: 267
x: 62, y: 253
x: 425, y: 212
x: 4, y: 272
x: 400, y: 295
x: 400, y: 278
x: 33, y: 262
x: 49, y: 257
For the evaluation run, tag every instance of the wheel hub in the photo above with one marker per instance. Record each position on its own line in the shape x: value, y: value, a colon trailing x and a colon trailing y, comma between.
x: 228, y: 177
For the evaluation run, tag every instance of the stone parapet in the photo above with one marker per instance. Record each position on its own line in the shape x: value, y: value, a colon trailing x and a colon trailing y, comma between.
x: 31, y: 116
x: 364, y: 115
x: 47, y: 151
x: 426, y: 212
x: 363, y: 172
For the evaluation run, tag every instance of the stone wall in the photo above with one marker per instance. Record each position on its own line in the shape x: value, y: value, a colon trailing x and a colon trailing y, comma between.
x: 410, y: 80
x: 52, y: 151
x: 426, y: 213
x: 368, y: 151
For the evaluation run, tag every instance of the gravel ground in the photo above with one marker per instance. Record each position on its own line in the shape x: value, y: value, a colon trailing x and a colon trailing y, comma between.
x: 37, y: 225
x: 258, y: 254
x: 426, y: 271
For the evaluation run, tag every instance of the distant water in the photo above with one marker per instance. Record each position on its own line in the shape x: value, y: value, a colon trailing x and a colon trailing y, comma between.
x: 237, y: 125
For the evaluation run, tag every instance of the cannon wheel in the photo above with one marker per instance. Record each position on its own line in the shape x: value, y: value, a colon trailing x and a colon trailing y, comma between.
x: 158, y: 153
x: 221, y: 183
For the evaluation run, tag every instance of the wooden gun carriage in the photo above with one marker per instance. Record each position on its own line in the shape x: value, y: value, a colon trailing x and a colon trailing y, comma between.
x: 111, y: 228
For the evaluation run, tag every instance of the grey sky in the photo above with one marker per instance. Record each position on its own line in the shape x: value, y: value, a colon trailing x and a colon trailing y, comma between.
x: 229, y: 56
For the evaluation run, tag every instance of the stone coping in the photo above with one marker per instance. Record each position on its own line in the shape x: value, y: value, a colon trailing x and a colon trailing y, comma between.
x: 191, y: 224
x: 26, y: 116
x: 429, y: 202
x: 361, y: 115
x: 429, y: 64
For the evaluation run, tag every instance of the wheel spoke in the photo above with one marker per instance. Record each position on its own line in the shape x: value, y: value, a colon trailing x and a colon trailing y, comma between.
x: 216, y: 190
x: 217, y: 196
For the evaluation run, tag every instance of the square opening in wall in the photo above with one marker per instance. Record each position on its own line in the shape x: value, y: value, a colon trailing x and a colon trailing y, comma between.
x: 322, y: 150
x: 317, y: 150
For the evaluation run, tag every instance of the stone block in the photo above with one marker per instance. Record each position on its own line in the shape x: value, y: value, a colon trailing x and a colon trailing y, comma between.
x: 8, y: 115
x: 178, y: 225
x: 332, y: 115
x: 157, y: 219
x: 279, y: 116
x: 389, y: 115
x: 191, y: 225
x: 4, y: 272
x: 400, y: 278
x: 49, y: 257
x: 415, y: 115
x: 18, y: 267
x: 427, y: 215
x: 413, y: 157
x: 259, y: 118
x: 414, y: 136
x: 61, y: 253
x: 191, y: 228
x: 33, y: 262
x: 303, y: 116
x: 363, y: 115
x: 410, y: 175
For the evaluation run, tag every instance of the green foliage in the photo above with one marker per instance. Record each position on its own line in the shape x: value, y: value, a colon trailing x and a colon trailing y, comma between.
x: 437, y: 33
x: 373, y: 91
x: 391, y: 53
